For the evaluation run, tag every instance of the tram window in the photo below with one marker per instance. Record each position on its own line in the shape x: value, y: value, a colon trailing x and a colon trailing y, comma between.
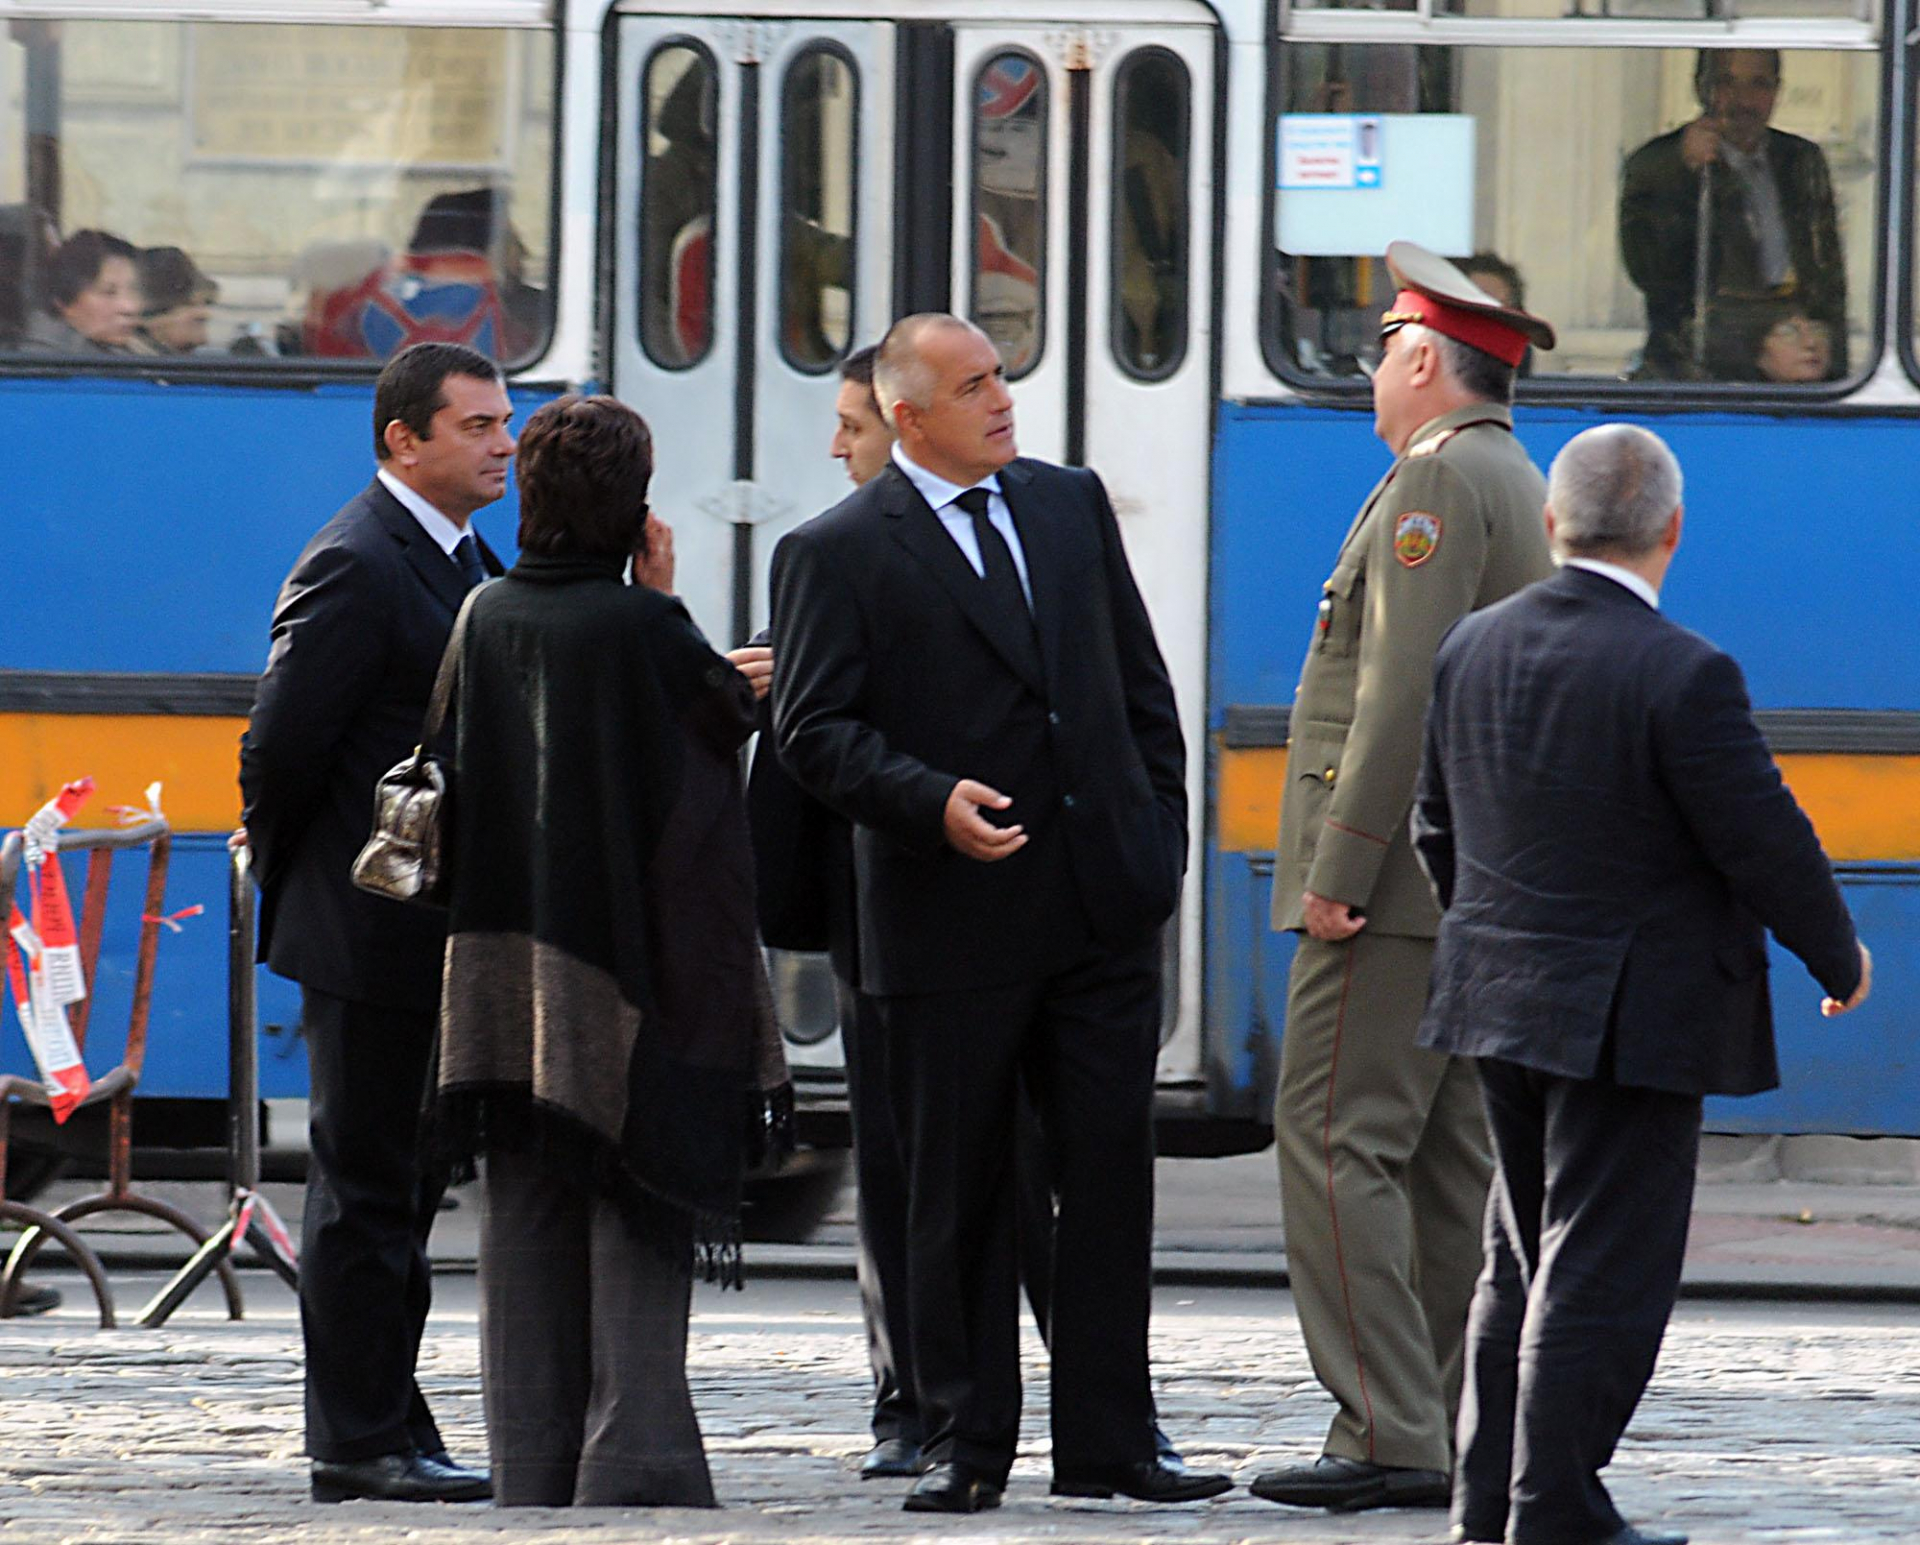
x: 1150, y: 175
x: 1576, y: 167
x: 680, y: 90
x: 234, y: 191
x: 818, y: 174
x: 1007, y: 297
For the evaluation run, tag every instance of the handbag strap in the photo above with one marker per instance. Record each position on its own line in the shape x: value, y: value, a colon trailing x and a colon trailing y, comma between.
x: 442, y: 697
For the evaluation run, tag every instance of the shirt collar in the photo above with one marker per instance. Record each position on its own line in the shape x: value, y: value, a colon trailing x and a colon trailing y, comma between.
x: 1625, y: 578
x: 445, y: 533
x: 935, y: 489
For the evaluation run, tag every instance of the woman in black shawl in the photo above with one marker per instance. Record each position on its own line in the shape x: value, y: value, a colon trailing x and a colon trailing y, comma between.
x: 606, y: 1029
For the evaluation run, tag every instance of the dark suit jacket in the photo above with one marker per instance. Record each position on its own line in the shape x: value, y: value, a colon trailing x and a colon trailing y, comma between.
x: 1607, y: 833
x: 802, y: 857
x: 358, y: 632
x: 894, y: 677
x: 1659, y: 220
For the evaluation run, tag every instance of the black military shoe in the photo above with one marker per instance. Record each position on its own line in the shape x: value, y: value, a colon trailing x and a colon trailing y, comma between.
x: 892, y: 1459
x: 1352, y: 1485
x: 952, y: 1488
x: 398, y: 1478
x: 1151, y: 1480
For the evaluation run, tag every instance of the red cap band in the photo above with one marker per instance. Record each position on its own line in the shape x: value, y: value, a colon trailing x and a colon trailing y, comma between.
x: 1488, y: 334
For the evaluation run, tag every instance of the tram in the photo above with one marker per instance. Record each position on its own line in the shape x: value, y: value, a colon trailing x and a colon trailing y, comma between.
x: 1166, y: 213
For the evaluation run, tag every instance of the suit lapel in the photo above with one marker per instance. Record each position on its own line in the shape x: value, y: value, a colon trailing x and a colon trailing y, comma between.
x: 436, y: 570
x: 1046, y: 566
x: 916, y: 528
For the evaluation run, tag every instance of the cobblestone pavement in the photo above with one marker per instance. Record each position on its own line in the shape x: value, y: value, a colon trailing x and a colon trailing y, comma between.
x: 1767, y: 1422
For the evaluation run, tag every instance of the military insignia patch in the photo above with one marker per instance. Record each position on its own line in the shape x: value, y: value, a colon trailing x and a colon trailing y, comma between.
x: 1415, y: 536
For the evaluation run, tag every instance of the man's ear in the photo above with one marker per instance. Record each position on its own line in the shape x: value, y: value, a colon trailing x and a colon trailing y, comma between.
x: 1552, y: 524
x: 399, y: 440
x: 1671, y: 538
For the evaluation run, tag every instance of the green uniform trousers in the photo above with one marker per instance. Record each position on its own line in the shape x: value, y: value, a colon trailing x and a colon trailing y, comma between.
x: 1384, y: 1166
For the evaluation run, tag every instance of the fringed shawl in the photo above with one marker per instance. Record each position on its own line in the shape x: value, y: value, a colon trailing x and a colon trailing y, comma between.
x: 605, y: 1004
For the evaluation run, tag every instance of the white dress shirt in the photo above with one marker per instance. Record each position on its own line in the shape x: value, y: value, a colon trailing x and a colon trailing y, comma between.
x: 443, y: 531
x: 1623, y: 577
x: 940, y: 494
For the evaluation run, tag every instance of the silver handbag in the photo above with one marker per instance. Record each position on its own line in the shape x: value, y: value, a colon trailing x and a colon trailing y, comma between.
x: 405, y: 857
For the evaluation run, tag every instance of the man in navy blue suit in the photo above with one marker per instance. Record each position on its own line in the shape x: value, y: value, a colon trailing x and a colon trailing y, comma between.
x: 1610, y: 842
x: 358, y: 632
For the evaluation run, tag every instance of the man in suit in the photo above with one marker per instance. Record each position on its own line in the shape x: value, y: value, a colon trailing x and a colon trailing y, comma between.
x: 964, y: 669
x: 1609, y: 837
x: 1771, y: 231
x: 1382, y: 1148
x: 804, y: 872
x: 357, y: 636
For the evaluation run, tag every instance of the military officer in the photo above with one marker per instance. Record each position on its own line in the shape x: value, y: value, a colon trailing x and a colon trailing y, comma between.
x: 1384, y: 1157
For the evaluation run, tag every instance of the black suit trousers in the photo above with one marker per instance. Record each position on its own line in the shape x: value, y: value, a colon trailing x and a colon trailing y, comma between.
x: 365, y: 1282
x: 880, y: 1179
x: 1085, y: 1039
x: 1561, y: 1341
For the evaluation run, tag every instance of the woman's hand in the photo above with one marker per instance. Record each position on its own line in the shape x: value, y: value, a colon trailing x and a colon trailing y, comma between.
x: 653, y: 560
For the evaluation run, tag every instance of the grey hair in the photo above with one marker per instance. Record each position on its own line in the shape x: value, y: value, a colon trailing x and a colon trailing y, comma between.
x: 899, y: 373
x: 1474, y: 371
x: 1612, y: 490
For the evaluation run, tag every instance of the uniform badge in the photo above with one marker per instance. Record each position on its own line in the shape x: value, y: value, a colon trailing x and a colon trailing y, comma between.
x: 1415, y: 537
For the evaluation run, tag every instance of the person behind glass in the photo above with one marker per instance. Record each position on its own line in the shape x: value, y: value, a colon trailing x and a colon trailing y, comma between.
x: 965, y: 671
x: 1500, y: 279
x: 177, y: 303
x: 1609, y: 839
x: 1777, y: 344
x: 606, y: 1011
x: 1765, y: 210
x: 93, y: 298
x: 358, y: 632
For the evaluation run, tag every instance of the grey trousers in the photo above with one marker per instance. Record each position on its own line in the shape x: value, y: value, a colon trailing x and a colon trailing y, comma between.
x: 1384, y: 1164
x: 583, y: 1343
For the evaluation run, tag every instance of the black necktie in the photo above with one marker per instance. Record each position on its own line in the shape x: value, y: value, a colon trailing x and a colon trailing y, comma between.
x: 1001, y: 578
x: 466, y: 553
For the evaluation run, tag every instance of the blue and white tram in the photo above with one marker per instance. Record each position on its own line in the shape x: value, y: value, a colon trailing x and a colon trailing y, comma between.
x: 702, y: 207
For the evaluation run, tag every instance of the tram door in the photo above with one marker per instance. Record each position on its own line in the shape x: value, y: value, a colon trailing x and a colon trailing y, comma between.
x: 1083, y: 244
x: 752, y: 254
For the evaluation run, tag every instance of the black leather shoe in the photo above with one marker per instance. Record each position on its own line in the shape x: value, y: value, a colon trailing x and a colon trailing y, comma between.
x: 1151, y: 1480
x: 32, y: 1299
x: 892, y: 1459
x: 1628, y: 1535
x: 1352, y: 1485
x: 398, y: 1478
x: 952, y: 1488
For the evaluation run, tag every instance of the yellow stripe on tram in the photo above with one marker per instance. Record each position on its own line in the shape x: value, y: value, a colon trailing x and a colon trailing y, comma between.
x: 1866, y: 808
x: 196, y: 759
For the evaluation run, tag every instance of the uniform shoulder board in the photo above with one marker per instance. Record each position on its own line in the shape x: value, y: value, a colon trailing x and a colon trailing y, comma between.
x: 1429, y: 447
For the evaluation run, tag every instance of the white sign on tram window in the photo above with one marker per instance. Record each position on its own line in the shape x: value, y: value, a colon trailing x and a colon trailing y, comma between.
x: 1330, y: 150
x: 1352, y: 182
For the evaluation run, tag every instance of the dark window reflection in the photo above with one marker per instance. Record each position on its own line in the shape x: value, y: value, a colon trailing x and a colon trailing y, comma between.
x: 1010, y: 206
x: 1151, y: 96
x: 818, y: 111
x: 676, y: 205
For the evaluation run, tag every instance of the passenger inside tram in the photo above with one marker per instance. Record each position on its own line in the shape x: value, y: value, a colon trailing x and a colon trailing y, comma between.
x: 1585, y: 167
x: 92, y: 298
x: 176, y: 303
x: 1726, y: 212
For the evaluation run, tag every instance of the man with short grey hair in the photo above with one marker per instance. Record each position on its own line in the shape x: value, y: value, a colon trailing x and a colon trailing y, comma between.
x: 1606, y: 834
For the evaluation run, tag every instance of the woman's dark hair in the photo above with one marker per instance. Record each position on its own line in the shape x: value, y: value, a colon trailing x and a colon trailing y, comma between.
x: 78, y: 261
x: 583, y: 467
x: 410, y: 387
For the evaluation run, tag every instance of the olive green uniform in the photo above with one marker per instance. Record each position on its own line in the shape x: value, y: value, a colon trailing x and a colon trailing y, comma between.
x: 1384, y: 1159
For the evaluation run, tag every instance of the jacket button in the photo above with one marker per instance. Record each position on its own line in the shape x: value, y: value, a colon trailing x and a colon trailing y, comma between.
x: 1067, y: 800
x: 1330, y: 775
x: 1052, y: 717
